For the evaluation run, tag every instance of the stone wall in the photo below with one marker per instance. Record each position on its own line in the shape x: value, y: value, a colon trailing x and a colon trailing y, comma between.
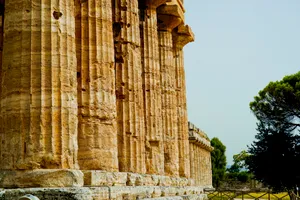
x: 96, y: 86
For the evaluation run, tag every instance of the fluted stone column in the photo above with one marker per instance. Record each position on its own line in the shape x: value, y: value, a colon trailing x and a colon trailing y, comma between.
x: 200, y: 149
x: 207, y: 167
x: 152, y: 87
x: 196, y: 166
x: 200, y: 171
x: 39, y: 95
x: 192, y: 161
x: 129, y: 91
x: 168, y: 91
x: 182, y: 35
x: 202, y: 167
x: 97, y: 133
x: 200, y: 163
x: 209, y: 171
x: 200, y: 174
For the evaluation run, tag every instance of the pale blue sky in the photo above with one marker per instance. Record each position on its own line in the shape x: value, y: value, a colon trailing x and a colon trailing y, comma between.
x: 241, y: 45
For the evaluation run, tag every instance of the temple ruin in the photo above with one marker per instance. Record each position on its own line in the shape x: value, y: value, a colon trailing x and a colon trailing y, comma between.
x: 93, y: 101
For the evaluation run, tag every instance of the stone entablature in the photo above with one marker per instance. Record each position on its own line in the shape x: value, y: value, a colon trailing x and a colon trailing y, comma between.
x: 92, y: 86
x: 197, y: 136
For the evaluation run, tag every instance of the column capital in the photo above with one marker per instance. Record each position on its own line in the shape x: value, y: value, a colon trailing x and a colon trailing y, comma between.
x: 169, y: 15
x: 154, y: 3
x: 183, y: 35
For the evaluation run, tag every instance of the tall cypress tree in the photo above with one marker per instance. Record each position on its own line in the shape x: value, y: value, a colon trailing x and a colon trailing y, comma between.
x: 218, y: 160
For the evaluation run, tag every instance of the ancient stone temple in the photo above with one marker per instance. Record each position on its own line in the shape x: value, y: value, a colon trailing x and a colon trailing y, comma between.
x: 93, y: 102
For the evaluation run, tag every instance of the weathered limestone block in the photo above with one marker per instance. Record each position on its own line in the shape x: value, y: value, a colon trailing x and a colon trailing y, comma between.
x: 155, y: 180
x: 97, y: 132
x: 183, y: 181
x: 182, y: 35
x: 156, y: 192
x: 148, y: 179
x: 191, y: 182
x: 152, y: 87
x: 180, y: 191
x: 193, y: 190
x: 39, y: 90
x: 102, y: 178
x: 143, y: 179
x: 165, y: 181
x: 168, y: 191
x: 104, y: 193
x: 71, y: 193
x: 145, y: 192
x: 41, y: 178
x: 134, y: 179
x: 129, y: 91
x: 131, y: 193
x: 168, y: 21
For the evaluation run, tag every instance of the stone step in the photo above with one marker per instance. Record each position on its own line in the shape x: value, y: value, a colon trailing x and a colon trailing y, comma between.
x: 107, y: 193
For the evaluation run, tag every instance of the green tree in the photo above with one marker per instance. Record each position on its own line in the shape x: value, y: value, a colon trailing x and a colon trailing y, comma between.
x: 278, y: 104
x: 218, y: 160
x: 239, y: 162
x: 275, y: 158
x: 275, y: 154
x: 238, y: 171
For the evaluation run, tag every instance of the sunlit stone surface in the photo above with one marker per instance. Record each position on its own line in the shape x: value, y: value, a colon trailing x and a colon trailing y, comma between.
x: 93, y: 98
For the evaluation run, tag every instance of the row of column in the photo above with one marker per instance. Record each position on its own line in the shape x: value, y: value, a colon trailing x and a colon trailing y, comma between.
x: 95, y: 84
x: 200, y: 164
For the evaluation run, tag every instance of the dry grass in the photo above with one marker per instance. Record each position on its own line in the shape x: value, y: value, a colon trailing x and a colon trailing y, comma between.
x: 259, y: 195
x: 263, y: 195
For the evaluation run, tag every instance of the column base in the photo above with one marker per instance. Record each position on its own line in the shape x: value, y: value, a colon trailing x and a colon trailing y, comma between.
x: 41, y: 178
